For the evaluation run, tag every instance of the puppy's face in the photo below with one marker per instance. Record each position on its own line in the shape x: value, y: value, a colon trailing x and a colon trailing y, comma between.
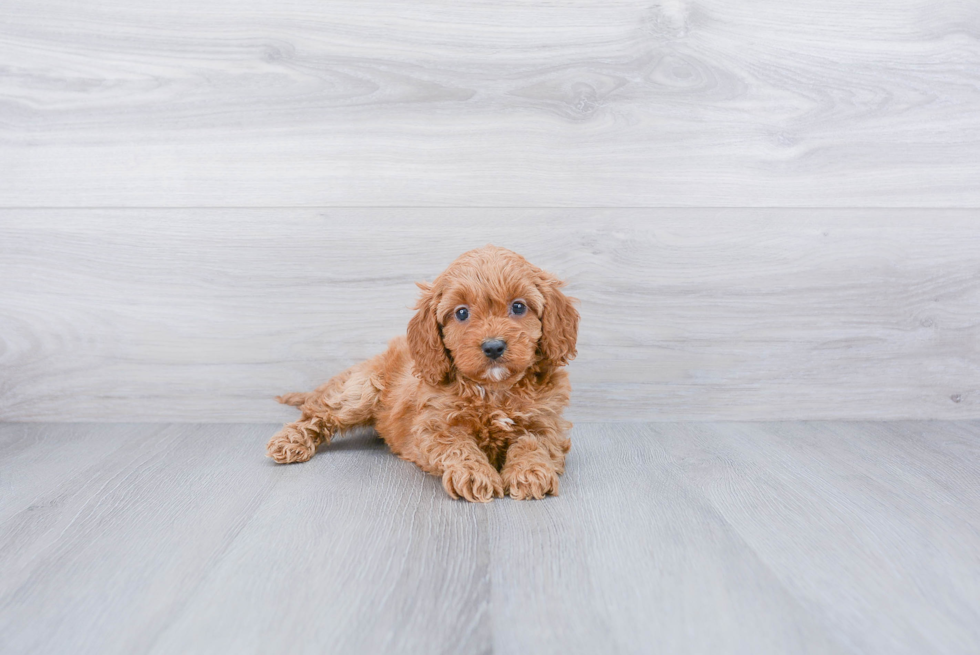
x: 489, y: 317
x: 491, y: 327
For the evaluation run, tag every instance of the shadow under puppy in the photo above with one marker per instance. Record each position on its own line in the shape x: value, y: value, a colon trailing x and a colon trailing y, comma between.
x: 475, y: 391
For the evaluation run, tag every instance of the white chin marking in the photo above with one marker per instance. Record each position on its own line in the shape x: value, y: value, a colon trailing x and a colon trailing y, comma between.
x: 497, y: 373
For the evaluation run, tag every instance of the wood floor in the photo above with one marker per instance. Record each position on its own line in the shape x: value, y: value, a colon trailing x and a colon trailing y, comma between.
x: 801, y: 537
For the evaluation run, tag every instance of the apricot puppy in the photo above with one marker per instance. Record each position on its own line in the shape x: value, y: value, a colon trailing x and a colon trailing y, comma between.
x: 474, y: 393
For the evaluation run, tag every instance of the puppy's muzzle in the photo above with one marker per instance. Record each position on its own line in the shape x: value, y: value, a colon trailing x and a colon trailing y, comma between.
x: 494, y: 348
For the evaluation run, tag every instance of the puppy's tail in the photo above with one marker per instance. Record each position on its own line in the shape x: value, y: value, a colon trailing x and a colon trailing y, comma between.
x: 295, y: 399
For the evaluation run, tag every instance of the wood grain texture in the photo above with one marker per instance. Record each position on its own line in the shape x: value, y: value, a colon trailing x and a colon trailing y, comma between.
x: 748, y: 538
x: 359, y: 553
x: 885, y: 513
x: 37, y: 459
x: 205, y: 315
x: 571, y: 103
x: 124, y: 556
x: 667, y: 537
x: 631, y: 557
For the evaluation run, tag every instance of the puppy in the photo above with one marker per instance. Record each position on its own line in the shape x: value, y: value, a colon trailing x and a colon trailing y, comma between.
x: 474, y: 393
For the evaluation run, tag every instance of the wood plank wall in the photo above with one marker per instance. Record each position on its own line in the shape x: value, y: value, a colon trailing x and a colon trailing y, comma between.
x: 769, y: 210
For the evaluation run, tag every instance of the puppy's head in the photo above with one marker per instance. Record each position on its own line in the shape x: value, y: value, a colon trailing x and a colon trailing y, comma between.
x: 489, y: 317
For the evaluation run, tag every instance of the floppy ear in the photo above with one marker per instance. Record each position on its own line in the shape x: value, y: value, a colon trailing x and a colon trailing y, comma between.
x: 432, y: 364
x: 559, y: 323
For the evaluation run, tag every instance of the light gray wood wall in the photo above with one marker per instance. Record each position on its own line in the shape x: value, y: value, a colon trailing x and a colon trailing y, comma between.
x: 490, y: 103
x: 203, y: 204
x: 699, y: 313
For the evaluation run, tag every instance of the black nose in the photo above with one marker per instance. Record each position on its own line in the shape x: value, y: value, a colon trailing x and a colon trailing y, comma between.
x: 494, y: 348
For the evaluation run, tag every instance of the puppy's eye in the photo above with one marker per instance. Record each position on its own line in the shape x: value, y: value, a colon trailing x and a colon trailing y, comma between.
x: 518, y: 308
x: 461, y: 314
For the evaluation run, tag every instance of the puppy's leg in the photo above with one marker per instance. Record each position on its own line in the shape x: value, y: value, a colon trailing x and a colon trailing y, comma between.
x: 466, y: 472
x: 533, y: 464
x: 346, y: 401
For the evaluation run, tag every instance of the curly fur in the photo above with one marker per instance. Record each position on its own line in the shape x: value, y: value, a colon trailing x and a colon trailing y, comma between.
x: 487, y: 427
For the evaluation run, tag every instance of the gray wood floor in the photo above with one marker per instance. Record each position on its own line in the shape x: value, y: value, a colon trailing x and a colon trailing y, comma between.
x: 667, y: 537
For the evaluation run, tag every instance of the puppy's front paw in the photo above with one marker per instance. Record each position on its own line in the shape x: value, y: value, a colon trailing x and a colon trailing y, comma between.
x: 474, y: 482
x: 533, y: 480
x: 290, y: 445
